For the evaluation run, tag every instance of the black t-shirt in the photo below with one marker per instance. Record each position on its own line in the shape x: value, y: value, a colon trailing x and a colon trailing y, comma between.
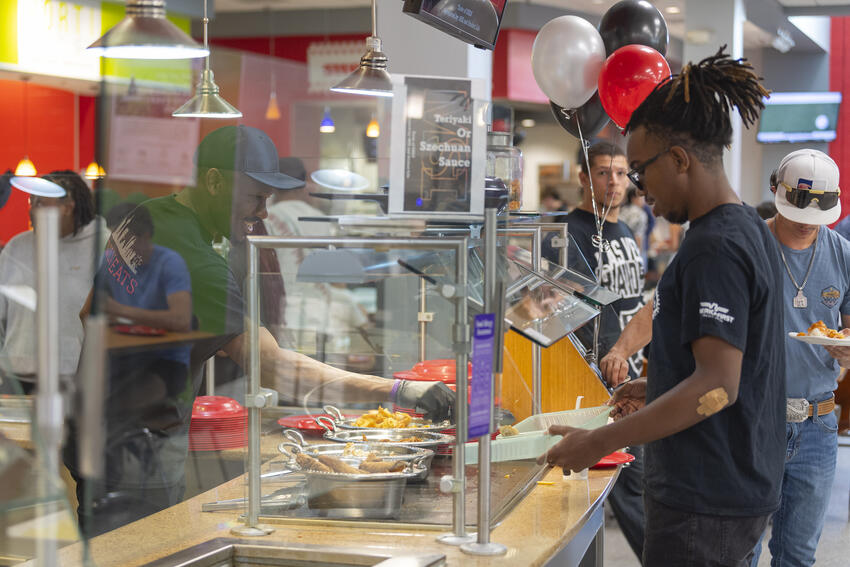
x: 622, y: 273
x: 722, y: 283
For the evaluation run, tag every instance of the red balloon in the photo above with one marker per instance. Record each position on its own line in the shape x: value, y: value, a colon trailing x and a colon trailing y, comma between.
x: 627, y: 77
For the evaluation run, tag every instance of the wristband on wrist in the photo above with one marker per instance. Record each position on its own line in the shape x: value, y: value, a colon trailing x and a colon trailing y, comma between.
x: 394, y: 390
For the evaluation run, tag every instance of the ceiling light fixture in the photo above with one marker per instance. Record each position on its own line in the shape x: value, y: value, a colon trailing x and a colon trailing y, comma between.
x: 145, y: 33
x: 673, y: 10
x: 94, y: 171
x: 327, y: 126
x: 373, y: 130
x: 25, y: 167
x: 528, y: 123
x: 371, y: 77
x: 207, y: 103
x: 272, y: 110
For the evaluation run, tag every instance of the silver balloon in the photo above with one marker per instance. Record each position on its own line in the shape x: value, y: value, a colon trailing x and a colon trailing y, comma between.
x: 566, y: 58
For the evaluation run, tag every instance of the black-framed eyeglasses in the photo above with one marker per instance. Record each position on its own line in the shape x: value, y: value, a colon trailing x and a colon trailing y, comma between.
x: 636, y: 174
x: 802, y: 197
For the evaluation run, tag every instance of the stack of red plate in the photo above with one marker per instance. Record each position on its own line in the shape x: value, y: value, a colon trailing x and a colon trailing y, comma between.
x: 217, y: 423
x: 438, y: 370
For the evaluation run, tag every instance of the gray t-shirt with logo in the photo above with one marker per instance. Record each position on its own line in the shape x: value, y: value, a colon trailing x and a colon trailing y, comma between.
x: 811, y: 372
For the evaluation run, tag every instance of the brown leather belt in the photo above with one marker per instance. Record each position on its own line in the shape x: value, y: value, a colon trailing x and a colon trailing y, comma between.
x: 824, y: 407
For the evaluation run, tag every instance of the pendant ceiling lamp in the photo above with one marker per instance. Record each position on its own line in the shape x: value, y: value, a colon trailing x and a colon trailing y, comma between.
x: 207, y: 103
x: 94, y: 171
x: 373, y: 130
x: 272, y: 110
x: 327, y: 126
x: 371, y: 78
x: 25, y: 167
x: 145, y: 33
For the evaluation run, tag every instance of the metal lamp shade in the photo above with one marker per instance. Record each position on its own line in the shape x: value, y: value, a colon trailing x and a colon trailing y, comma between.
x: 145, y: 33
x: 371, y: 78
x: 207, y: 103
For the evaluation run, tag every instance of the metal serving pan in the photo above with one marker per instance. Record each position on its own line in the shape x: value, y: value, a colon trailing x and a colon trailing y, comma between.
x: 421, y: 424
x: 427, y: 439
x: 367, y: 495
x: 386, y: 451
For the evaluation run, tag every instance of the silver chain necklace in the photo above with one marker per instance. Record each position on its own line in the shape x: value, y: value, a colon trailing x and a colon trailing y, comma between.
x: 799, y: 301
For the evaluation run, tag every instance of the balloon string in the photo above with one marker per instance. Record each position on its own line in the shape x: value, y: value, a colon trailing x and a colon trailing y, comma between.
x: 593, y: 355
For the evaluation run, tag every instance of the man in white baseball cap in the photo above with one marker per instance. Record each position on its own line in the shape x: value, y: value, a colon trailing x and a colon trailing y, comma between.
x: 807, y: 188
x: 816, y: 287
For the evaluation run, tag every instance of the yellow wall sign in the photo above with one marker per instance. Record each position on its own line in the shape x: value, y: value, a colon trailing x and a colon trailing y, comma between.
x: 49, y: 37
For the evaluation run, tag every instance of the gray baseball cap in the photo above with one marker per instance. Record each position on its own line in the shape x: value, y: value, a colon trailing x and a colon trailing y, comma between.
x: 247, y: 150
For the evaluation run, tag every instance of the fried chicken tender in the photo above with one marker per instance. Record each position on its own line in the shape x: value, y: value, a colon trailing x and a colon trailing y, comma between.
x: 337, y: 465
x: 382, y: 466
x: 308, y: 463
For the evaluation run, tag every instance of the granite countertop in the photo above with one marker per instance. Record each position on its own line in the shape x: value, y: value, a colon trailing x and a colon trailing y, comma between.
x: 535, y: 530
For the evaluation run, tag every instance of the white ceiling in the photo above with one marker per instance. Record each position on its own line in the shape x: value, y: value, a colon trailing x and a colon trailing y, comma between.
x: 798, y: 3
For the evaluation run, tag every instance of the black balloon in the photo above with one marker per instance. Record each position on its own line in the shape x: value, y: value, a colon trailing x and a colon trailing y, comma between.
x: 633, y: 21
x: 590, y: 115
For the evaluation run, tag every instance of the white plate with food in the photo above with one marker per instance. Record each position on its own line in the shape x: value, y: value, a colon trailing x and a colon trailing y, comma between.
x: 826, y: 341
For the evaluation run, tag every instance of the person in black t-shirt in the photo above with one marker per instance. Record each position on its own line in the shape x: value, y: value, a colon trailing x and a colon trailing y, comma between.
x: 712, y: 408
x: 622, y: 273
x: 622, y: 265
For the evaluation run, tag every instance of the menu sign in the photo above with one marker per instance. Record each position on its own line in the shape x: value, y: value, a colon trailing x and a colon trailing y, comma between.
x: 473, y: 21
x: 481, y: 397
x: 438, y: 148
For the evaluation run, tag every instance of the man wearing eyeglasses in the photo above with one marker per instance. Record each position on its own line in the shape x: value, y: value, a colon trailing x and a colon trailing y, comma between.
x: 815, y: 287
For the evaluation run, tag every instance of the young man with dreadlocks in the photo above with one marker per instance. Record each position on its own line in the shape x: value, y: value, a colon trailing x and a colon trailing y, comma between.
x: 712, y: 409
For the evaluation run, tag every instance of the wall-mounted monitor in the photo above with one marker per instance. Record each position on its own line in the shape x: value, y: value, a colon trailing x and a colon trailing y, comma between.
x: 799, y: 117
x: 473, y: 21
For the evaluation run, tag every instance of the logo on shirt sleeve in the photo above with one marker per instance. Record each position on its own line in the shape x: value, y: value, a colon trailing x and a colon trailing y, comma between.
x: 830, y: 296
x: 711, y: 310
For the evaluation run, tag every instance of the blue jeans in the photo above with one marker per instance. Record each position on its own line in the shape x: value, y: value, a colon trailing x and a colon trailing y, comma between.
x: 806, y: 485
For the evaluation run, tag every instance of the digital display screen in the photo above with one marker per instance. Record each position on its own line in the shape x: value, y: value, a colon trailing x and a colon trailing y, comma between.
x: 473, y: 21
x: 799, y: 117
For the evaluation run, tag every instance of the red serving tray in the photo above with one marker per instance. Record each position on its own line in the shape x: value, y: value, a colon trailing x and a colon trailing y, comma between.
x: 614, y: 459
x: 437, y: 370
x: 305, y: 422
x: 141, y: 330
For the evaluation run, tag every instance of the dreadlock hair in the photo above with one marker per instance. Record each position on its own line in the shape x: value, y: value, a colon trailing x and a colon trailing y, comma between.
x: 77, y: 190
x: 599, y: 149
x: 691, y: 109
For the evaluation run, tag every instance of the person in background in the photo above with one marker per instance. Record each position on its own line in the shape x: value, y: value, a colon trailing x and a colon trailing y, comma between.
x: 766, y: 210
x: 712, y: 408
x: 237, y: 171
x: 321, y: 316
x: 147, y: 286
x: 815, y: 262
x: 551, y: 201
x: 638, y: 220
x: 79, y: 228
x: 622, y: 272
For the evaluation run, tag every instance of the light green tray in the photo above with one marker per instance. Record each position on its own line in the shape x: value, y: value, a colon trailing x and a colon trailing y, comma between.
x: 534, y: 439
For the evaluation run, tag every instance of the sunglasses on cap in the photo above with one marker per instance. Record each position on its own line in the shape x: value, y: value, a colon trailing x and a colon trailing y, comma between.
x: 802, y: 198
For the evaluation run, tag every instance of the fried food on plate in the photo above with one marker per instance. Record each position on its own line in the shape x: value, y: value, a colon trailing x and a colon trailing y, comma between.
x: 378, y: 466
x: 819, y: 329
x: 308, y: 463
x: 337, y: 465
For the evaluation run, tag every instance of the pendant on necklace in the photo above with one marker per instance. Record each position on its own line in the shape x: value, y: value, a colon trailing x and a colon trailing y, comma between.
x: 600, y: 243
x: 800, y: 301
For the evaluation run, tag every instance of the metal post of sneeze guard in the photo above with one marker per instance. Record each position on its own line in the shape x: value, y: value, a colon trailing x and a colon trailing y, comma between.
x: 254, y: 400
x: 536, y: 349
x: 457, y: 483
x: 49, y: 417
x: 484, y: 546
